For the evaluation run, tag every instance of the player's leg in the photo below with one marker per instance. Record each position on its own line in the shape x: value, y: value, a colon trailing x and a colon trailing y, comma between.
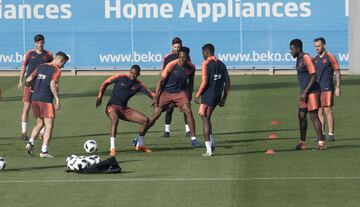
x: 25, y: 112
x: 141, y: 119
x: 322, y: 119
x: 25, y: 120
x: 168, y: 118
x: 207, y: 130
x: 317, y: 126
x: 302, y: 127
x: 49, y: 123
x: 30, y: 144
x: 186, y: 108
x: 187, y: 128
x: 330, y: 121
x: 114, y: 121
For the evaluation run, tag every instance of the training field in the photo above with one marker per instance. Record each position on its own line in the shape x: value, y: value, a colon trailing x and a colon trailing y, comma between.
x: 175, y: 174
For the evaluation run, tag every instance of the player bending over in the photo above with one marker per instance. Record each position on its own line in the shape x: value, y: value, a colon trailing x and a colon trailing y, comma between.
x: 125, y: 87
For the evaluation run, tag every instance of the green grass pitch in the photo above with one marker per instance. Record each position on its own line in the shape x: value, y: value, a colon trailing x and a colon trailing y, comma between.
x: 175, y: 174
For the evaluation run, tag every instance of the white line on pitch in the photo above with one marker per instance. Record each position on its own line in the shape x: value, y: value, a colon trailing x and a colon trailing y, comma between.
x: 179, y: 179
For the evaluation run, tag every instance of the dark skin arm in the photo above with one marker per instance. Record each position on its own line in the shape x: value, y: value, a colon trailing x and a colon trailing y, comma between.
x: 159, y: 88
x: 225, y: 94
x: 303, y: 94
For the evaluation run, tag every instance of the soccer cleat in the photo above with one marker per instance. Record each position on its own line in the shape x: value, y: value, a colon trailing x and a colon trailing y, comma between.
x: 188, y: 134
x: 213, y: 148
x: 330, y: 138
x: 112, y: 152
x: 207, y: 154
x: 195, y: 143
x: 301, y: 146
x: 142, y: 149
x: 24, y: 137
x: 134, y: 142
x: 45, y: 155
x: 30, y: 149
x: 166, y: 134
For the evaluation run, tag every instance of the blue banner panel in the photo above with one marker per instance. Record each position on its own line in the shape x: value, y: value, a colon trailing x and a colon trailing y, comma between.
x: 114, y: 34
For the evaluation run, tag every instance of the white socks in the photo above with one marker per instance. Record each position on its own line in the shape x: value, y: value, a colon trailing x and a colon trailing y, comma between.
x: 187, y: 128
x: 193, y: 138
x: 44, y: 149
x: 140, y: 141
x: 167, y: 127
x: 42, y: 131
x: 32, y: 141
x: 208, y: 147
x: 23, y: 127
x: 112, y: 142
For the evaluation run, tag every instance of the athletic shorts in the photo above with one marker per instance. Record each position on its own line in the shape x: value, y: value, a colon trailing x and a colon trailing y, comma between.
x: 206, y: 110
x: 27, y: 94
x: 311, y: 102
x: 43, y: 109
x: 327, y: 99
x: 124, y: 113
x: 178, y: 99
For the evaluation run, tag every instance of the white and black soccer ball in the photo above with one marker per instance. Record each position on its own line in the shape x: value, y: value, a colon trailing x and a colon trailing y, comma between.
x: 90, y: 146
x: 80, y: 164
x: 91, y: 160
x: 70, y: 161
x: 2, y: 163
x: 96, y: 158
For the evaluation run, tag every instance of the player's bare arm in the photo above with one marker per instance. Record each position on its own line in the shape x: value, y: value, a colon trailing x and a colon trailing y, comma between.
x: 54, y: 90
x: 303, y: 94
x: 338, y: 80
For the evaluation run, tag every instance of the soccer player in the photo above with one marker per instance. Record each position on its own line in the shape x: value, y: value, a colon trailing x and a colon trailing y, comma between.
x: 125, y: 87
x: 309, y: 94
x: 176, y: 44
x: 45, y: 83
x: 211, y: 92
x: 33, y: 58
x: 175, y: 87
x: 326, y: 64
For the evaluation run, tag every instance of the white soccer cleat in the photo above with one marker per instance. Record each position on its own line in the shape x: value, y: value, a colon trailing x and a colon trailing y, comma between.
x: 46, y: 155
x: 206, y: 154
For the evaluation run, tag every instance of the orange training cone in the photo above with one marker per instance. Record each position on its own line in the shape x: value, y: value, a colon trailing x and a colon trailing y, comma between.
x: 270, y: 152
x: 274, y: 122
x: 273, y: 136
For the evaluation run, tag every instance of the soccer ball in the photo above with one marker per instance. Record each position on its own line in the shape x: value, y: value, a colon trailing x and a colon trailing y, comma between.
x: 80, y: 164
x: 70, y: 161
x: 90, y: 146
x: 96, y: 158
x: 2, y: 163
x: 91, y: 160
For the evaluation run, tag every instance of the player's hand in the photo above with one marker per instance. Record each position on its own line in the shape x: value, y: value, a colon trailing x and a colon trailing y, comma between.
x: 337, y: 92
x: 197, y: 100
x: 302, y: 96
x: 98, y: 102
x: 20, y: 86
x: 27, y: 84
x: 222, y: 102
x: 57, y: 104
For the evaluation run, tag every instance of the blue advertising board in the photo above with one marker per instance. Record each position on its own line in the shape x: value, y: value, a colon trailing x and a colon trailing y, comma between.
x: 113, y: 34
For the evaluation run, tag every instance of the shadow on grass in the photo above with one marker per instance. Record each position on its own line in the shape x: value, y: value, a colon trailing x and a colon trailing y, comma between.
x: 35, y: 168
x: 254, y: 131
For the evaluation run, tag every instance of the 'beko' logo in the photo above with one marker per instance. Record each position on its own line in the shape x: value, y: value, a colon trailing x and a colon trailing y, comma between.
x: 36, y: 11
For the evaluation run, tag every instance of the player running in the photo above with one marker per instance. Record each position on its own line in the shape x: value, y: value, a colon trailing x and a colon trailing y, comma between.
x: 326, y: 64
x: 309, y: 94
x: 211, y: 92
x: 45, y: 83
x: 33, y: 58
x: 126, y: 86
x: 176, y: 44
x: 175, y: 87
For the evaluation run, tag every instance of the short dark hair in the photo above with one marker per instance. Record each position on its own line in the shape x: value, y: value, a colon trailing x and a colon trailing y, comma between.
x: 321, y: 39
x: 39, y: 37
x: 63, y: 55
x: 136, y: 67
x: 176, y: 40
x: 185, y: 49
x: 209, y: 47
x: 296, y: 43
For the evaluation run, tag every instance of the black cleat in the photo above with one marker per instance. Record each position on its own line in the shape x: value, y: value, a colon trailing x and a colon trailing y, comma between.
x: 301, y: 146
x: 166, y: 134
x: 330, y: 138
x: 188, y: 134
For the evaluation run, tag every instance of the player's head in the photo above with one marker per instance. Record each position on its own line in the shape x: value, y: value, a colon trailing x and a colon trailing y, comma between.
x: 176, y: 44
x: 183, y: 55
x: 60, y: 59
x: 319, y: 44
x: 134, y: 72
x: 208, y: 50
x: 39, y: 42
x: 296, y: 47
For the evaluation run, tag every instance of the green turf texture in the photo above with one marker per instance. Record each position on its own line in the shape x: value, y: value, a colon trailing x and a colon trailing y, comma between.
x: 175, y: 174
